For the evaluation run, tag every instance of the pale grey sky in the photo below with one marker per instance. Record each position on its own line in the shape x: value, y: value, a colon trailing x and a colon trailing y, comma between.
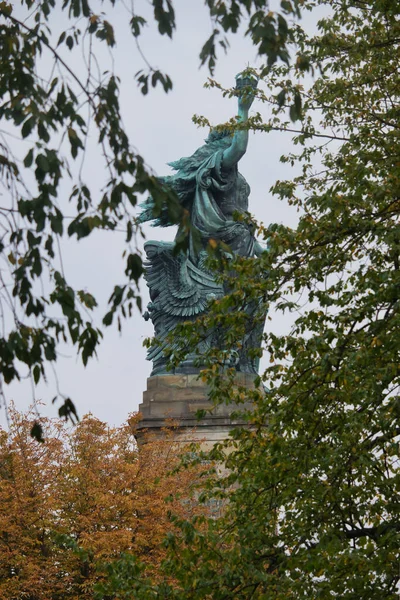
x: 160, y: 127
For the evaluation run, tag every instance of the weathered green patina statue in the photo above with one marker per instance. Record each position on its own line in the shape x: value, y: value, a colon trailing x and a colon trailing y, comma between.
x: 210, y: 187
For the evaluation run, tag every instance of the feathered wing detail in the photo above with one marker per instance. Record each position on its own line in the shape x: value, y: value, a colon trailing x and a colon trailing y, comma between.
x: 179, y: 291
x: 177, y: 287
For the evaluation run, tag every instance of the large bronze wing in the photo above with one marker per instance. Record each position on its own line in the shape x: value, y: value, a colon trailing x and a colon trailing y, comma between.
x: 177, y: 287
x: 179, y: 291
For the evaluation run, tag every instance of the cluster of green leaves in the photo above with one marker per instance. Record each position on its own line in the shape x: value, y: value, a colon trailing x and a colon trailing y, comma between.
x: 53, y: 113
x: 268, y: 30
x: 313, y: 486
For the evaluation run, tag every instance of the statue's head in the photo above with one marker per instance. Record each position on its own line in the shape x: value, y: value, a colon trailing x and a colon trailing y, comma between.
x: 216, y: 134
x: 218, y: 138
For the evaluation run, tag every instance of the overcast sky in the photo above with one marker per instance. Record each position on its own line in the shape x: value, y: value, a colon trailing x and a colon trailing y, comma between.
x: 160, y: 127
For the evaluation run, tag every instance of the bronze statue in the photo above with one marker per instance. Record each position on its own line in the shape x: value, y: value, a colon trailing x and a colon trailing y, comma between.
x: 211, y: 189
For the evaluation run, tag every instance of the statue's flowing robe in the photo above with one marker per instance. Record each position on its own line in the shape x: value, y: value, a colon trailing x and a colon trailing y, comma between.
x: 219, y: 191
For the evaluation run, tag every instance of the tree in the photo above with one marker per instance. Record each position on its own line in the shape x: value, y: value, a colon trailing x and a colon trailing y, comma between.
x: 52, y: 104
x: 80, y: 499
x: 314, y: 508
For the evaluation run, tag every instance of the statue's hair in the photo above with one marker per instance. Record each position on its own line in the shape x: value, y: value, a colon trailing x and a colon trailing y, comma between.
x: 216, y: 133
x: 217, y: 140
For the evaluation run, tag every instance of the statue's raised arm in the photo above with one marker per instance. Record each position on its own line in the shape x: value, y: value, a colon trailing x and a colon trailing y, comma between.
x: 245, y: 84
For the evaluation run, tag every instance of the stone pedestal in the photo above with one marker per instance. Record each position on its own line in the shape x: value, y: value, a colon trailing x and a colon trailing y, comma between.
x: 177, y: 398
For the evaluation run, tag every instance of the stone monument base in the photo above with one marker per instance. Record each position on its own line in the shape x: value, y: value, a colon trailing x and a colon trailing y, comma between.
x: 176, y: 399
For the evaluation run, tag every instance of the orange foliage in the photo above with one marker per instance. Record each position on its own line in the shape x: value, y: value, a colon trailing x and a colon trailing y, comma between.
x: 85, y: 488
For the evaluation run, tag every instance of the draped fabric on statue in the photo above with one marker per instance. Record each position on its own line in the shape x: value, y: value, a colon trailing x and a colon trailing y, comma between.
x: 207, y: 216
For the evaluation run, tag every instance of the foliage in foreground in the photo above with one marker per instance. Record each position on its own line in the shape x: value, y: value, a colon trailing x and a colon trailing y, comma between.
x: 80, y: 499
x: 314, y: 512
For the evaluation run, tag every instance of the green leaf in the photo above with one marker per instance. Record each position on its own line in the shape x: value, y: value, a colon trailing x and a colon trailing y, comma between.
x: 164, y: 17
x: 106, y: 32
x: 37, y: 432
x: 28, y: 160
x: 43, y: 133
x: 134, y: 267
x: 36, y: 374
x: 136, y: 24
x: 208, y: 51
x: 28, y: 126
x: 42, y: 163
x: 143, y: 81
x: 68, y: 411
x: 61, y: 38
x: 87, y: 299
x: 281, y: 98
x: 85, y: 8
x: 108, y: 318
